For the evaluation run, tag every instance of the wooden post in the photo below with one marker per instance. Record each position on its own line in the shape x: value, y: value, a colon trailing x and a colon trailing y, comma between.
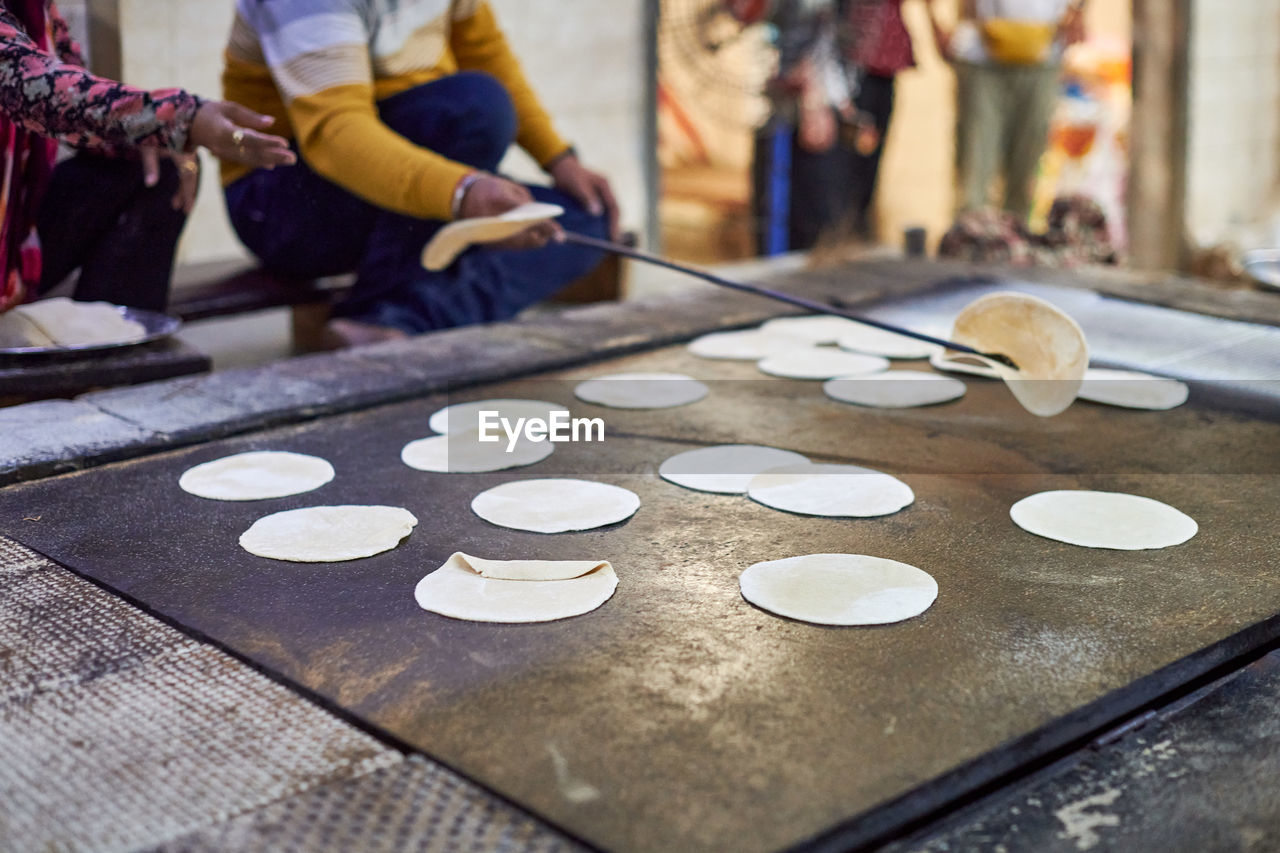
x: 1158, y: 141
x: 104, y: 38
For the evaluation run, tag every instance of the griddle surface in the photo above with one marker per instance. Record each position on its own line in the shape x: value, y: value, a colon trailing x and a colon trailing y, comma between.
x: 678, y: 716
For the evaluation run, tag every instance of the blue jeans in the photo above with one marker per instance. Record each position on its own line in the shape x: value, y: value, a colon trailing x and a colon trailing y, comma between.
x: 299, y: 223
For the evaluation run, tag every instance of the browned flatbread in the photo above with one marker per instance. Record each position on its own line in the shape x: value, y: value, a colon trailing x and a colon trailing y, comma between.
x: 1046, y: 344
x: 454, y: 238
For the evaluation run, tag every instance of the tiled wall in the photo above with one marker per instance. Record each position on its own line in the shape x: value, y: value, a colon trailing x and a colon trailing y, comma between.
x: 585, y: 58
x: 76, y: 14
x: 179, y: 43
x: 1233, y: 168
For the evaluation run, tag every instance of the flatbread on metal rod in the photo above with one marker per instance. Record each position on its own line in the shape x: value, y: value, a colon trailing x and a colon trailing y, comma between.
x: 1047, y: 346
x: 453, y: 239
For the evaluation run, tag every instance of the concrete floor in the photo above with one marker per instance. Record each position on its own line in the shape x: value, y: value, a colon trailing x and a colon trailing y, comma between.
x: 247, y: 340
x: 244, y: 340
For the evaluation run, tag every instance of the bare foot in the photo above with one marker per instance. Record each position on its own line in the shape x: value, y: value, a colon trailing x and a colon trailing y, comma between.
x: 340, y: 333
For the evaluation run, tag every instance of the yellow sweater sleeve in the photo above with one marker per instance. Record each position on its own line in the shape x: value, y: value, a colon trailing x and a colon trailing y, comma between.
x: 313, y: 57
x: 342, y: 138
x: 479, y: 45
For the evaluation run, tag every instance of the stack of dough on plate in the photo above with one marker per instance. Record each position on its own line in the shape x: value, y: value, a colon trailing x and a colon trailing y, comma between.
x: 62, y: 322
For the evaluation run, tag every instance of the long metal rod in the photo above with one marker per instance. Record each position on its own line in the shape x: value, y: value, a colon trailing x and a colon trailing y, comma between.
x: 799, y: 301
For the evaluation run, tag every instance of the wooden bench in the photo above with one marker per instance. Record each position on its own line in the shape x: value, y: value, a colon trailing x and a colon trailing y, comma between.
x: 226, y: 288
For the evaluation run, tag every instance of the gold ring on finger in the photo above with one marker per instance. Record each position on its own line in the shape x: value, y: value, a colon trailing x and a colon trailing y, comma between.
x: 237, y: 138
x: 190, y: 167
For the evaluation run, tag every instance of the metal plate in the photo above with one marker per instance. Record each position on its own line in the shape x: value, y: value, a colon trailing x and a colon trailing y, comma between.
x: 677, y: 716
x: 156, y: 325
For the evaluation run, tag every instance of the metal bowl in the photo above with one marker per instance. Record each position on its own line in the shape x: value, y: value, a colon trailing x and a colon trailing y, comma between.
x: 1263, y: 266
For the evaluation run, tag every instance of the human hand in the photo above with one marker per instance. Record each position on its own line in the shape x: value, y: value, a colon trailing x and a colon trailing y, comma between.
x: 490, y: 195
x: 188, y: 166
x: 228, y: 130
x: 590, y: 189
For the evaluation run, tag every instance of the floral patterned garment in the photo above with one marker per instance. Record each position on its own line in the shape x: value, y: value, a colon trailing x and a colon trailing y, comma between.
x: 45, y: 93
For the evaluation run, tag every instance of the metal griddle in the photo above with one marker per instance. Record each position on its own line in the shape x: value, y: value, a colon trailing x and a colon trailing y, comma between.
x: 678, y: 716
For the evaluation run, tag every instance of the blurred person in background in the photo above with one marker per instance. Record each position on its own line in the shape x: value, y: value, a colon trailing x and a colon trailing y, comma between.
x: 115, y: 209
x: 832, y: 100
x: 1007, y: 55
x: 877, y: 47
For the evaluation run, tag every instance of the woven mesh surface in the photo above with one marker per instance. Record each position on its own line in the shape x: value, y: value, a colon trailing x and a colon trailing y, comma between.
x: 415, y: 806
x: 118, y: 732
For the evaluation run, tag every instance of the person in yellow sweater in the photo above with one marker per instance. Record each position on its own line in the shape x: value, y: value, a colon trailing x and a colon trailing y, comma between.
x: 401, y: 111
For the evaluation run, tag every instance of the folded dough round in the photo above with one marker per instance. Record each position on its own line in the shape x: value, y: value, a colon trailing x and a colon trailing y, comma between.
x: 839, y: 589
x: 821, y: 363
x: 454, y: 238
x: 744, y: 345
x: 815, y: 329
x: 641, y: 390
x: 525, y: 570
x: 896, y: 389
x: 555, y: 505
x: 256, y: 475
x: 465, y: 453
x: 1132, y: 390
x: 1113, y: 520
x: 873, y: 341
x: 725, y: 469
x: 458, y: 591
x: 1046, y: 344
x: 461, y: 417
x: 328, y: 534
x: 834, y: 491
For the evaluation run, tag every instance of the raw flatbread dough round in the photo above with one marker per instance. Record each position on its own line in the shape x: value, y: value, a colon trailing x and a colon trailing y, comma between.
x: 744, y: 345
x: 839, y: 589
x: 1046, y: 344
x: 328, y: 534
x: 834, y: 491
x: 873, y: 341
x: 726, y: 469
x: 555, y: 505
x: 1132, y: 390
x: 256, y: 475
x: 896, y: 389
x: 815, y: 329
x: 641, y: 390
x: 458, y: 590
x: 465, y: 453
x: 454, y: 238
x: 1103, y: 520
x: 82, y: 324
x: 959, y: 362
x: 821, y: 363
x: 461, y: 417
